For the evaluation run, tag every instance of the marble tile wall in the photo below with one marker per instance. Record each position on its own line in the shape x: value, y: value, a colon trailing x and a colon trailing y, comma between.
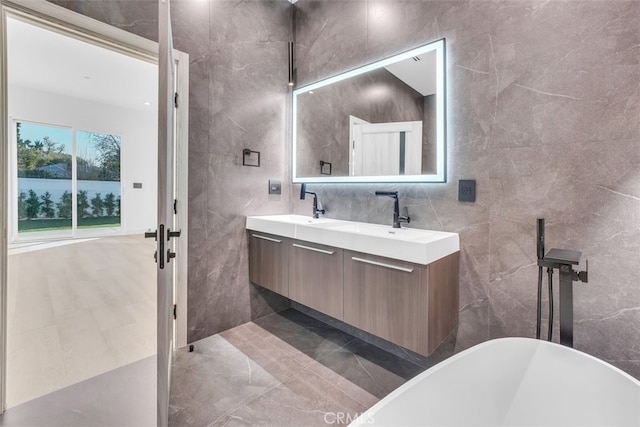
x: 240, y: 94
x: 238, y: 98
x: 543, y: 110
x: 543, y: 105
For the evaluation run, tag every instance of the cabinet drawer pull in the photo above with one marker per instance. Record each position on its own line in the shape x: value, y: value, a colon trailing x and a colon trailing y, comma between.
x: 381, y: 264
x: 309, y: 248
x: 257, y: 236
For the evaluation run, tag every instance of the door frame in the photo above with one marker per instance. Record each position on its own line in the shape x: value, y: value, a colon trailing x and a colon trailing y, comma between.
x: 57, y: 18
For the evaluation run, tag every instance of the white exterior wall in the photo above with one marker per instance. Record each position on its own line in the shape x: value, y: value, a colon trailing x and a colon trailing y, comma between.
x: 56, y: 187
x: 138, y: 129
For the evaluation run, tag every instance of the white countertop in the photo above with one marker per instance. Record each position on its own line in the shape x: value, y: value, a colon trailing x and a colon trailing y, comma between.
x: 406, y: 244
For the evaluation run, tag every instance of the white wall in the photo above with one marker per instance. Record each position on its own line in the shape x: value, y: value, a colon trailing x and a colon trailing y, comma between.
x: 139, y: 132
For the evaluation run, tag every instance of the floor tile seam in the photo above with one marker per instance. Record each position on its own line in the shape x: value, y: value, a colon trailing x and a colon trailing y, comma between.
x: 363, y: 368
x: 405, y: 359
x: 334, y: 387
x: 247, y: 400
x: 419, y: 367
x: 319, y: 359
x: 235, y: 341
x: 289, y: 350
x: 364, y: 405
x: 196, y: 368
x: 205, y: 407
x: 261, y: 395
x: 293, y: 352
x: 351, y: 340
x: 290, y: 374
x: 215, y: 353
x: 285, y: 346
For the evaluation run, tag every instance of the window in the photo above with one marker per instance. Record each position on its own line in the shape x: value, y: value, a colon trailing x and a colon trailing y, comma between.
x: 98, y: 175
x: 53, y: 200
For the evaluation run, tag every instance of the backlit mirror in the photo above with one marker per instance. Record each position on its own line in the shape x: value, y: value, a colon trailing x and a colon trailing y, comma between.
x: 384, y: 122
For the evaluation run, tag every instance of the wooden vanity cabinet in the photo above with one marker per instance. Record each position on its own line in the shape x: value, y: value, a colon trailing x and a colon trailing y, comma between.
x: 412, y: 305
x: 269, y: 261
x: 315, y: 277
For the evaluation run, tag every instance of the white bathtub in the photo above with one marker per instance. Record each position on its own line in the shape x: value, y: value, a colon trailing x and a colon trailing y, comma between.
x: 513, y: 382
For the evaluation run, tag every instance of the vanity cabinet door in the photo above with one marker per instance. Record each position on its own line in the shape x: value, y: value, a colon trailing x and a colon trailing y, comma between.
x: 315, y: 277
x: 387, y: 298
x: 268, y: 261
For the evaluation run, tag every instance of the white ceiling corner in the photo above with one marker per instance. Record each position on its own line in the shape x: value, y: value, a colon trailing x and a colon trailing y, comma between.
x: 44, y: 60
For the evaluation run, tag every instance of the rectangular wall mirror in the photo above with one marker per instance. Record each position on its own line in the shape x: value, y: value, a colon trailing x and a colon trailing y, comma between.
x: 384, y: 122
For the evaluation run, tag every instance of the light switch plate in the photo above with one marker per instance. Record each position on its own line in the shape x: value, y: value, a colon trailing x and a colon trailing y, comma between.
x: 275, y: 187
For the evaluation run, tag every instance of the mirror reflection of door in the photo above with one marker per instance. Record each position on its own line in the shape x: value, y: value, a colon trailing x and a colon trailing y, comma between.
x: 407, y: 87
x: 385, y: 149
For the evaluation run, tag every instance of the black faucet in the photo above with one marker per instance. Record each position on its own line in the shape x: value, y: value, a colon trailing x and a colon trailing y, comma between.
x: 317, y: 206
x: 397, y: 219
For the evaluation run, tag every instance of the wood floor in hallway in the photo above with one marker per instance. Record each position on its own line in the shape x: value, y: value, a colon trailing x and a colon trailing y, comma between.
x: 77, y: 309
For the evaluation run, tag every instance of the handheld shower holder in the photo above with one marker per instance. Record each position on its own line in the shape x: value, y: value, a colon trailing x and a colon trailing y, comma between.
x: 563, y: 260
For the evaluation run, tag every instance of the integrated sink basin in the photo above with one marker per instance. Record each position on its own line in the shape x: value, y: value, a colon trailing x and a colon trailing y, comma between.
x: 385, y: 231
x: 407, y: 244
x: 283, y: 225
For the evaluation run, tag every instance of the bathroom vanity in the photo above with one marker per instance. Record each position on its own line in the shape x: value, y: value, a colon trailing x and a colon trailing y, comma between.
x: 398, y: 284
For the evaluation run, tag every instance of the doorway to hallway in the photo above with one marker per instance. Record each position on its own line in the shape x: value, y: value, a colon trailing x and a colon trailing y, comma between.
x: 81, y: 295
x: 109, y: 385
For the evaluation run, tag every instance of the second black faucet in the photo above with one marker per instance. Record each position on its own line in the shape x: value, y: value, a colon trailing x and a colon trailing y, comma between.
x: 397, y: 219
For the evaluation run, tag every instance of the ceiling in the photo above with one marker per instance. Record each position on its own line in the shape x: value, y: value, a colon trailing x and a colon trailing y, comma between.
x: 420, y: 74
x: 45, y: 60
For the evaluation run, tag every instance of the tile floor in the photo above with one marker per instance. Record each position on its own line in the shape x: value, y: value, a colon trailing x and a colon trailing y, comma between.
x: 286, y: 369
x: 123, y: 397
x: 76, y: 309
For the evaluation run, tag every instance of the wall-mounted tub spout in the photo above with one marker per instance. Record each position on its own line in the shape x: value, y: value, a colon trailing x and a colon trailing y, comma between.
x: 563, y: 260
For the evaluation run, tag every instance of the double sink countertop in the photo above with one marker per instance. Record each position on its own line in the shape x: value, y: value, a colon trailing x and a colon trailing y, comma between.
x: 406, y: 244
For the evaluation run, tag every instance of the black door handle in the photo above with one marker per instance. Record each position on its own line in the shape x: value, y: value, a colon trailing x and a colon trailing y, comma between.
x: 160, y: 251
x: 161, y: 248
x: 171, y: 234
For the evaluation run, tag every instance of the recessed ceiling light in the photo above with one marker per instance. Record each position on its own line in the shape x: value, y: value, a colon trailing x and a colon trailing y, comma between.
x: 87, y: 77
x: 147, y: 103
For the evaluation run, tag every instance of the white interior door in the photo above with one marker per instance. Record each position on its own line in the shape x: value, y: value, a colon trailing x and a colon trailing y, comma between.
x: 165, y: 232
x: 386, y: 149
